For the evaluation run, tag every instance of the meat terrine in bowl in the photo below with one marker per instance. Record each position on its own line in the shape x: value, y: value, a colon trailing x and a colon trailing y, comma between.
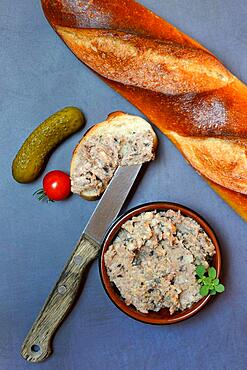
x: 149, y: 258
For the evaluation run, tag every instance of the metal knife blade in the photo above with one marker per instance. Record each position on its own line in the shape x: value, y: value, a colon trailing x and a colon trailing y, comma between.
x: 111, y: 202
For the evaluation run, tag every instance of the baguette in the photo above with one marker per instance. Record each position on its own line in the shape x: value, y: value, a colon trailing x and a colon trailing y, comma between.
x: 177, y: 83
x: 161, y: 66
x: 121, y: 140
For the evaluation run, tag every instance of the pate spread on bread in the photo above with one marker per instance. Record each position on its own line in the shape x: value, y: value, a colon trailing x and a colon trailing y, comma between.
x: 121, y: 140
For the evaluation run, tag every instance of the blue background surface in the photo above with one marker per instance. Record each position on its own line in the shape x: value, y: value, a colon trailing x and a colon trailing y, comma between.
x: 38, y: 76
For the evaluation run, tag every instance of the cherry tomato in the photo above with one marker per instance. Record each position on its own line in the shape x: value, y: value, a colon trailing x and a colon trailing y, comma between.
x: 56, y: 185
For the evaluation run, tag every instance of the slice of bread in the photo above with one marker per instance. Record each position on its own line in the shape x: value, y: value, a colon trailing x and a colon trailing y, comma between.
x: 121, y: 140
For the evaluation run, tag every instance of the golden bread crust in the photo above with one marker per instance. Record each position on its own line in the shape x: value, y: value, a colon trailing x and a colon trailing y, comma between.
x: 220, y: 113
x: 162, y: 66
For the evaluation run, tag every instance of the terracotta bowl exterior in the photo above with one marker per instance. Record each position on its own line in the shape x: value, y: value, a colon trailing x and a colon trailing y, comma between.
x: 163, y: 316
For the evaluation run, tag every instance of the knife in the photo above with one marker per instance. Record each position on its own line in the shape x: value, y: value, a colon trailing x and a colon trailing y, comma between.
x: 38, y: 344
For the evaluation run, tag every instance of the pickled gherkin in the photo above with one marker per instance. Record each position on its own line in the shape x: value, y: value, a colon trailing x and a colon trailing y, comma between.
x: 35, y: 151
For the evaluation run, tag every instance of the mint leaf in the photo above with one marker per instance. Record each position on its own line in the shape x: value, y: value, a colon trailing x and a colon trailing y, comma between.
x: 200, y: 270
x: 209, y: 284
x: 220, y: 288
x: 216, y: 282
x: 204, y: 290
x: 212, y: 272
x: 208, y: 281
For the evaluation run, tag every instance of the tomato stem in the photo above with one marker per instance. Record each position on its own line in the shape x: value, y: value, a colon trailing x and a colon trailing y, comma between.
x: 39, y: 191
x: 41, y: 195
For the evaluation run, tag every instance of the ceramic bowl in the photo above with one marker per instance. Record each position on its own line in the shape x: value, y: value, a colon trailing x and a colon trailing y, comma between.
x: 163, y: 316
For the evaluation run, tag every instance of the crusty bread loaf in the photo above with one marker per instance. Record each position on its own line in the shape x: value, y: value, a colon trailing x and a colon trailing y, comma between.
x: 121, y: 140
x: 178, y: 84
x: 161, y: 66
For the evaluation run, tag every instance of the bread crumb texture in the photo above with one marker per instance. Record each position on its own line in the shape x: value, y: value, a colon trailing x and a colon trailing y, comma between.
x: 123, y: 140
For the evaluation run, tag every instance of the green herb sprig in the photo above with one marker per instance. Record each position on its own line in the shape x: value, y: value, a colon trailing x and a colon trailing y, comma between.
x: 209, y: 283
x: 40, y: 194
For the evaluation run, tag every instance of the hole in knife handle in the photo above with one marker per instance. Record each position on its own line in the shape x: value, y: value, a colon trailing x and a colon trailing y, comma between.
x: 36, y: 348
x: 62, y: 289
x: 78, y: 259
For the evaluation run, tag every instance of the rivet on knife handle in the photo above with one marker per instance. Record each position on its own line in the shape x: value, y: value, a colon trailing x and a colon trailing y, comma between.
x: 38, y: 343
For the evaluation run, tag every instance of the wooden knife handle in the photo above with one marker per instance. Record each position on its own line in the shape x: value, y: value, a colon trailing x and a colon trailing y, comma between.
x: 38, y: 343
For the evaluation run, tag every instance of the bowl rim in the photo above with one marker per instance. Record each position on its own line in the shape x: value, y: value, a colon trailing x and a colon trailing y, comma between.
x: 111, y: 234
